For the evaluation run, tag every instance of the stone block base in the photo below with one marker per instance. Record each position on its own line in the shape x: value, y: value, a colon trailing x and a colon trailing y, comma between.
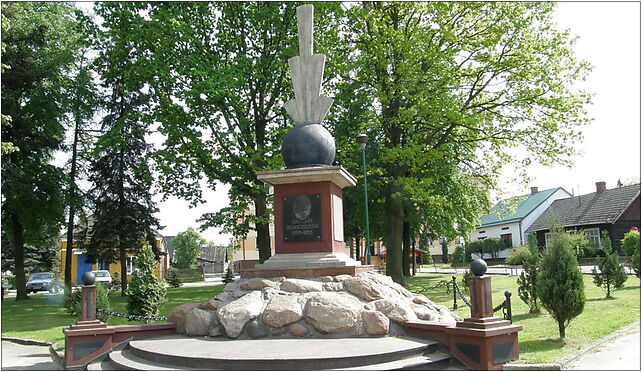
x: 305, y: 272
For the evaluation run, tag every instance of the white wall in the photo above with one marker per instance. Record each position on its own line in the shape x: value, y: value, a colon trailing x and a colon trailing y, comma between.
x: 531, y: 217
x: 496, y: 231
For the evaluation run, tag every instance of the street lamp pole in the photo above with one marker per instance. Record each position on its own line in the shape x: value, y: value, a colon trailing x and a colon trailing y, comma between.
x: 363, y: 138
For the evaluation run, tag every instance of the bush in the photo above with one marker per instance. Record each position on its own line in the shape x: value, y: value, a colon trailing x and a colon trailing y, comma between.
x: 458, y: 257
x: 492, y: 246
x: 581, y: 245
x: 426, y: 258
x: 71, y: 302
x: 172, y: 278
x: 146, y: 294
x: 610, y: 273
x: 465, y: 281
x: 115, y: 282
x: 559, y: 283
x: 518, y: 256
x: 444, y: 251
x: 476, y: 246
x: 229, y: 276
x: 631, y: 247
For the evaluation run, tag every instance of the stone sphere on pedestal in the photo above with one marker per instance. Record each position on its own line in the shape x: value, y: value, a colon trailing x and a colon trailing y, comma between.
x: 308, y: 145
x: 88, y: 278
x: 478, y: 267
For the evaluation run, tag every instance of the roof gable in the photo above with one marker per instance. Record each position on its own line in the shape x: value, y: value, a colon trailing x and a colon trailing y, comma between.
x: 590, y: 209
x: 500, y: 212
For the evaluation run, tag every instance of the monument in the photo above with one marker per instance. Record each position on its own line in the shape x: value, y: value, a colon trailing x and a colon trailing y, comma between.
x: 308, y: 207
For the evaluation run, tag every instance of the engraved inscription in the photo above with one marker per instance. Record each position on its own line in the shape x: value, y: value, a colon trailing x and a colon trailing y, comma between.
x: 302, y: 217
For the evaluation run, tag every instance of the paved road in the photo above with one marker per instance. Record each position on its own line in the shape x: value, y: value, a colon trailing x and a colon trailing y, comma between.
x: 619, y: 354
x: 16, y: 357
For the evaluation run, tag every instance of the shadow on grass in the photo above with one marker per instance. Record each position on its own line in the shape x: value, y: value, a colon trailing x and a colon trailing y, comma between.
x: 541, y: 345
x: 601, y: 299
x: 526, y: 316
x: 633, y: 287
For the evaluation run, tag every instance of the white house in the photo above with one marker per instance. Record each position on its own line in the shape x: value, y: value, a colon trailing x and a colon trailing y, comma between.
x: 509, y: 219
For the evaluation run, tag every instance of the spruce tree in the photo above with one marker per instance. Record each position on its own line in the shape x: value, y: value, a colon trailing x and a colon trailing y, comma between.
x: 121, y: 177
x: 146, y: 294
x: 609, y: 273
x: 527, y: 281
x: 560, y: 286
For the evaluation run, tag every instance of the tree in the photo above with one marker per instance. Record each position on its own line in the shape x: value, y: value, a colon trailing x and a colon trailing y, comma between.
x: 120, y: 173
x: 560, y: 286
x: 39, y: 45
x: 581, y: 245
x: 476, y: 246
x: 527, y: 281
x: 187, y: 247
x: 451, y: 96
x: 492, y: 246
x: 146, y: 293
x: 631, y: 246
x: 609, y: 272
x: 444, y: 251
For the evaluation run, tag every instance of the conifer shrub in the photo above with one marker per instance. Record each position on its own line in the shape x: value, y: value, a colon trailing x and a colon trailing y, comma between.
x: 146, y: 294
x: 229, y: 275
x: 444, y: 251
x: 426, y: 258
x: 609, y: 273
x: 172, y: 278
x: 458, y: 257
x: 631, y: 247
x: 560, y: 287
x: 72, y: 299
x: 518, y: 256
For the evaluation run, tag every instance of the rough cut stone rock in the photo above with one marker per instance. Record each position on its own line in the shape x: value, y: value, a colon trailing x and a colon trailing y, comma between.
x: 178, y: 315
x: 301, y: 286
x: 445, y: 316
x: 422, y: 300
x: 326, y: 279
x: 198, y: 321
x: 342, y: 277
x: 282, y: 310
x: 211, y: 304
x: 255, y: 329
x: 298, y: 330
x: 376, y: 322
x: 331, y: 312
x: 333, y: 287
x: 396, y: 310
x: 257, y: 283
x: 216, y: 331
x: 423, y: 312
x: 364, y: 288
x: 234, y: 315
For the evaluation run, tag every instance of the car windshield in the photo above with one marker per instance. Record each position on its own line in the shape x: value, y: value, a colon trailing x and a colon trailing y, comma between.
x: 101, y: 273
x: 41, y: 276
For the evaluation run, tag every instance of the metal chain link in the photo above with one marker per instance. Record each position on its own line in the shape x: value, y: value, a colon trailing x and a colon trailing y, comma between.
x: 440, y: 284
x: 129, y: 316
x: 501, y: 306
x: 462, y: 295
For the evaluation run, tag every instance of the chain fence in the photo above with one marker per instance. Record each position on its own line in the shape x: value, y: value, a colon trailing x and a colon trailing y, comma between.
x: 131, y: 317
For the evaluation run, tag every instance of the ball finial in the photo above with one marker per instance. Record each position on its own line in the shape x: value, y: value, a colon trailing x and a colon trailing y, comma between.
x: 478, y: 267
x: 88, y: 278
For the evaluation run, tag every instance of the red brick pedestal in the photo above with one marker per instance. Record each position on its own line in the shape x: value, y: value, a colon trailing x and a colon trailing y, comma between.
x: 316, y: 247
x: 482, y: 342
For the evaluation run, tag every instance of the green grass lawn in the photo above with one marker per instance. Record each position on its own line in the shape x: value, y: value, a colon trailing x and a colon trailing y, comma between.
x: 539, y: 341
x: 43, y: 317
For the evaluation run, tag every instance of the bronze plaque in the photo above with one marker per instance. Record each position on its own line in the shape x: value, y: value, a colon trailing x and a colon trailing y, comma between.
x: 302, y: 217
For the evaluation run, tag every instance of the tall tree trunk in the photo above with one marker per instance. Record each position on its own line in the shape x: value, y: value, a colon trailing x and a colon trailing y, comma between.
x: 72, y: 209
x: 19, y: 258
x: 405, y: 259
x: 262, y: 228
x: 562, y: 329
x: 122, y: 253
x: 357, y: 246
x: 394, y: 229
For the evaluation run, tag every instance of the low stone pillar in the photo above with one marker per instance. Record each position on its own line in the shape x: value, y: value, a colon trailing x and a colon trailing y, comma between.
x: 88, y: 303
x: 483, y: 341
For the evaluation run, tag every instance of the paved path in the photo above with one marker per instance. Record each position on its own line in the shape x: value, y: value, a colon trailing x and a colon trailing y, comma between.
x: 619, y: 354
x: 16, y: 357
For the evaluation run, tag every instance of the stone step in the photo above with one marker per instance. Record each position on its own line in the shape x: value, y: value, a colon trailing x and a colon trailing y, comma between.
x: 177, y: 352
x: 125, y: 360
x: 434, y: 361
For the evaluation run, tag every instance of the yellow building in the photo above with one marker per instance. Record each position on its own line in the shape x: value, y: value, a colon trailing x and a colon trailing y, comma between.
x: 79, y: 266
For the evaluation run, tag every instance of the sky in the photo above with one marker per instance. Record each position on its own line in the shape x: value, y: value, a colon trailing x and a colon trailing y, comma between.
x: 609, y: 38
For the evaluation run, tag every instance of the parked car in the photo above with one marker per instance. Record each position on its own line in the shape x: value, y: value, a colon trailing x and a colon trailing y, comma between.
x: 42, y: 282
x: 102, y: 276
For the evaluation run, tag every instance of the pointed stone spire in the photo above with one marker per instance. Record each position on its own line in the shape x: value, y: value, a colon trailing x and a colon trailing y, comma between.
x: 308, y: 106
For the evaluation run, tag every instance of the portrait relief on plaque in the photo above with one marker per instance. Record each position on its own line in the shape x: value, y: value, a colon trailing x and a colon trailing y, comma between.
x: 301, y: 217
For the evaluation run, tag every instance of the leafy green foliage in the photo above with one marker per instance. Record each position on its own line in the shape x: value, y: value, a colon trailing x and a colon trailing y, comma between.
x: 172, y: 278
x: 444, y: 251
x: 187, y: 247
x: 492, y: 246
x: 146, y: 293
x: 476, y: 246
x: 518, y: 256
x: 229, y: 275
x: 581, y: 245
x: 426, y: 258
x: 527, y: 281
x: 609, y: 273
x: 72, y: 302
x: 458, y: 257
x: 39, y: 47
x: 115, y: 282
x: 559, y: 282
x: 631, y: 246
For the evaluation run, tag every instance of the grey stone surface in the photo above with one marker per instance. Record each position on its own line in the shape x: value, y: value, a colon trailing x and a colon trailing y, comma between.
x: 255, y: 329
x: 333, y: 286
x: 179, y: 313
x: 282, y: 310
x: 331, y: 312
x: 211, y: 304
x: 423, y: 312
x: 376, y: 322
x: 297, y: 330
x: 396, y: 310
x: 257, y: 283
x: 198, y: 321
x: 301, y: 286
x: 26, y: 358
x: 235, y: 314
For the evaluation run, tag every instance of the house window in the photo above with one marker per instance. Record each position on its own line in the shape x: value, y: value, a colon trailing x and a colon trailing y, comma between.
x: 548, y: 239
x: 505, y: 228
x: 593, y: 236
x: 482, y: 232
x: 130, y: 263
x: 507, y: 239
